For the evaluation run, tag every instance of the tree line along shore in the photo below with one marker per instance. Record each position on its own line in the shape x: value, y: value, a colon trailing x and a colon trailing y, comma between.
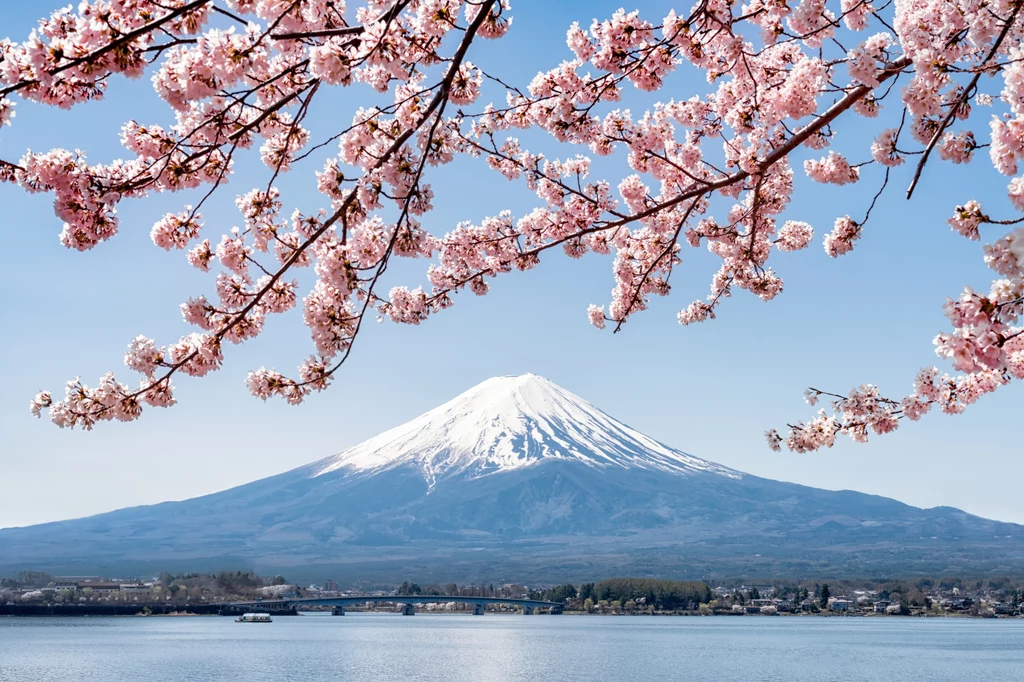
x: 36, y: 593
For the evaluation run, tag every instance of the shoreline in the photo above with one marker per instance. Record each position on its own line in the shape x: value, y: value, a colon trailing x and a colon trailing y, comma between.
x: 192, y: 611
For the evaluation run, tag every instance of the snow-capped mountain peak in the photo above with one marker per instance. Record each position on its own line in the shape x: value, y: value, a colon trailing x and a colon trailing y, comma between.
x: 509, y: 422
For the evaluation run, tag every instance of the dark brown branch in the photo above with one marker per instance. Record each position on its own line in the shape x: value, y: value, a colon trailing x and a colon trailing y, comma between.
x: 325, y: 33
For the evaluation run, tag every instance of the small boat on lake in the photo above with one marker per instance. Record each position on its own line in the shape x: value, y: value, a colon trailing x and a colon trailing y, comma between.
x: 254, y: 618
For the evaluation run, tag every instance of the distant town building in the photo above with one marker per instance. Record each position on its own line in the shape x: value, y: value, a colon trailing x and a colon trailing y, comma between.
x: 136, y: 588
x: 330, y: 586
x: 100, y: 585
x: 962, y: 604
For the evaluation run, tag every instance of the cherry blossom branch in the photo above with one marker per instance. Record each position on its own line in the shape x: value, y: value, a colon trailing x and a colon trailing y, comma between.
x: 113, y: 45
x: 783, y: 150
x: 321, y: 377
x: 671, y: 245
x: 236, y: 318
x: 271, y: 110
x: 959, y: 102
x: 698, y: 189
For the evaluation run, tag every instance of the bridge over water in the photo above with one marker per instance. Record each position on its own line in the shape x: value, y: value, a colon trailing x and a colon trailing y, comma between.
x: 405, y: 601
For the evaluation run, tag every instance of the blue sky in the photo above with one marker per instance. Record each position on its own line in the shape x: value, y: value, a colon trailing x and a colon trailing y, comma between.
x: 708, y: 389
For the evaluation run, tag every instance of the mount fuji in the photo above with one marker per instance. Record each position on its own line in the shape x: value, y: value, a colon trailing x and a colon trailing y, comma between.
x: 508, y: 423
x: 518, y: 478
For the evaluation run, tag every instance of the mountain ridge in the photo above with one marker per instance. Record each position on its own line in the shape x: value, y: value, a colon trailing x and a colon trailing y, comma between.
x: 518, y: 477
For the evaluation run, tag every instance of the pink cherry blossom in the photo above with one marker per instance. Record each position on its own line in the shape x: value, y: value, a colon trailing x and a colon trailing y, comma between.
x: 176, y: 230
x: 967, y: 218
x: 840, y: 239
x: 834, y: 169
x: 6, y: 111
x: 884, y: 149
x: 794, y: 235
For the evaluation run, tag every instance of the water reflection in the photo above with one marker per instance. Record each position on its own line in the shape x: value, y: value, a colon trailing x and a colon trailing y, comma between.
x: 447, y: 647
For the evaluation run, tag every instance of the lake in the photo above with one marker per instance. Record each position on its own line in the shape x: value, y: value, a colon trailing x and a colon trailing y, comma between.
x: 385, y: 646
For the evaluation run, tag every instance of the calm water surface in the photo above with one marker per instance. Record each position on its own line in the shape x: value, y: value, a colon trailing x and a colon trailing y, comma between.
x: 381, y: 646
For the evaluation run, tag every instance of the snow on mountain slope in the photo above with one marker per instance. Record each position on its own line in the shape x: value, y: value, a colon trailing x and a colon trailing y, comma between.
x: 510, y: 422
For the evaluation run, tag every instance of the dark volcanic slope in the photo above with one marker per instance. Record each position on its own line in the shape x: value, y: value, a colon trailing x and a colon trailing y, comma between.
x: 518, y: 478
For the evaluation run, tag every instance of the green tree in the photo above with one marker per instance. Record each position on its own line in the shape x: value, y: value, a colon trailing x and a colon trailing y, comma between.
x: 34, y: 578
x: 823, y: 595
x: 562, y: 593
x: 662, y: 594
